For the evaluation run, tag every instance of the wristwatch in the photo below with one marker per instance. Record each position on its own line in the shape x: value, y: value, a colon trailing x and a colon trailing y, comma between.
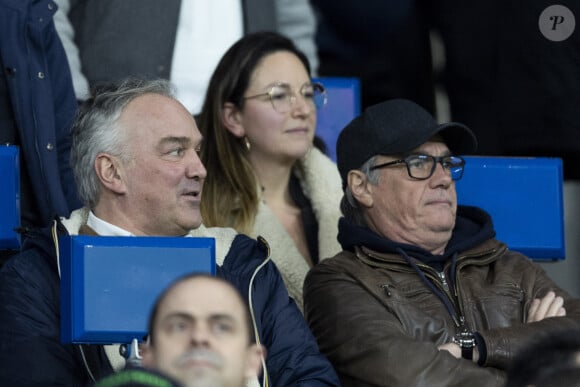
x: 466, y: 342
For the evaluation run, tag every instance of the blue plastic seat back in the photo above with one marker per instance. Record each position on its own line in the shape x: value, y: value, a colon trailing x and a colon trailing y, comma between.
x: 343, y: 105
x: 109, y: 284
x: 9, y: 197
x: 524, y: 197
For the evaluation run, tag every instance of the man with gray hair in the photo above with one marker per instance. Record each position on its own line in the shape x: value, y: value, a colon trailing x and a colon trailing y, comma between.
x: 135, y: 159
x: 422, y: 293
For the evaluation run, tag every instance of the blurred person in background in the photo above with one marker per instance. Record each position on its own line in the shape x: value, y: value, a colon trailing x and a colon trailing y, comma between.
x: 182, y: 41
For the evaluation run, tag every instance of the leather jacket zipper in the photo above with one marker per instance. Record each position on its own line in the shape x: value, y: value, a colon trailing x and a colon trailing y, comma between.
x: 443, y: 279
x: 457, y: 315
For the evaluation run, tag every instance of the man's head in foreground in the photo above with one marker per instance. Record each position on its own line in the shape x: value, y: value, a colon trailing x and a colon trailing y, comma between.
x: 200, y: 334
x: 399, y: 167
x: 135, y: 158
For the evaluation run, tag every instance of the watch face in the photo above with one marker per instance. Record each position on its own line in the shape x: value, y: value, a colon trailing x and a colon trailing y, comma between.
x: 465, y: 339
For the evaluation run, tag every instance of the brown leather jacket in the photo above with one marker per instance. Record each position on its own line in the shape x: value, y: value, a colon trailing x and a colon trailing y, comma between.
x: 380, y: 325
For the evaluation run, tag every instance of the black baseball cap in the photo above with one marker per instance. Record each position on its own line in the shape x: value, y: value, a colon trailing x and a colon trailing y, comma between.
x: 396, y: 126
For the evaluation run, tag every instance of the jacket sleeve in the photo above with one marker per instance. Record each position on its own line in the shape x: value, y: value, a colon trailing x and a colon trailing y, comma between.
x: 43, y: 102
x: 293, y: 357
x: 30, y: 348
x: 502, y: 344
x: 368, y: 345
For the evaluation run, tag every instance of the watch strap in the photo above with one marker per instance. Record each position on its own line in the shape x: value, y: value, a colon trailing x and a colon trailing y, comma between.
x: 467, y: 352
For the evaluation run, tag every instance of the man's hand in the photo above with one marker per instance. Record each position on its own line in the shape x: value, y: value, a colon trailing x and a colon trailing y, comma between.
x: 547, y: 306
x: 455, y: 350
x: 452, y: 348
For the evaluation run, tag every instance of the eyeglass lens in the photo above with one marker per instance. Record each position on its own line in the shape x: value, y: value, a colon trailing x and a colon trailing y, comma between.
x: 423, y: 166
x: 283, y: 97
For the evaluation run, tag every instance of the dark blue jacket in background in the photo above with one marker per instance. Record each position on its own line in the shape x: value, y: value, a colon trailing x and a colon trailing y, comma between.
x: 40, y: 89
x: 31, y: 353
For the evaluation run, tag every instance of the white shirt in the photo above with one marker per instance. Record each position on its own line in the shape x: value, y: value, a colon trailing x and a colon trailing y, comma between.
x: 105, y: 228
x: 205, y: 31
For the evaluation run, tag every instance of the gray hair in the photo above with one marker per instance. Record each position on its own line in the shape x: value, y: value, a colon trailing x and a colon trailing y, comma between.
x: 349, y: 206
x: 96, y: 130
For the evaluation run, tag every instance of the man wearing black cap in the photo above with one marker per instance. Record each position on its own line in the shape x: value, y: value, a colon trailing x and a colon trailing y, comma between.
x: 422, y: 293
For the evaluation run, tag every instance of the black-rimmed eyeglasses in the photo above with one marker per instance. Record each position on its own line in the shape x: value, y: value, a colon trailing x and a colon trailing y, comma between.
x: 422, y: 167
x: 283, y: 97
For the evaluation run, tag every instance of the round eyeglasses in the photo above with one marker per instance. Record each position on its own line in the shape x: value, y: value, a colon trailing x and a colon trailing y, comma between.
x: 283, y: 97
x: 422, y: 167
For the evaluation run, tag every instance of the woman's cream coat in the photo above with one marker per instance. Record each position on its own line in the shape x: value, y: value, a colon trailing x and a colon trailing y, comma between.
x: 321, y: 183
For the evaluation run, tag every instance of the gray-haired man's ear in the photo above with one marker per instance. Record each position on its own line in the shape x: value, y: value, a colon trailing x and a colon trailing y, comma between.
x: 109, y: 170
x: 360, y: 188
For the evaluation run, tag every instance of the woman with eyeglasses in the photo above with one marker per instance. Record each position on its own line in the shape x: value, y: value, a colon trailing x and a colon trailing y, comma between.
x: 265, y: 177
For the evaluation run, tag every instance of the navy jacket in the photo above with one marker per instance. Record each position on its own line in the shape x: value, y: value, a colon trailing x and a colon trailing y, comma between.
x: 30, y: 348
x: 40, y: 89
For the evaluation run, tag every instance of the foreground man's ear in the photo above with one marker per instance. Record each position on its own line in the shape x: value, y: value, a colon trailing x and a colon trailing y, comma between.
x: 146, y: 353
x: 256, y: 353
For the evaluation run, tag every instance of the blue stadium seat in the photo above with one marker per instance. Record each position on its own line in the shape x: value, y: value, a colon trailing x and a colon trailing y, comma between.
x: 9, y: 197
x: 109, y: 284
x: 524, y: 197
x: 343, y: 105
